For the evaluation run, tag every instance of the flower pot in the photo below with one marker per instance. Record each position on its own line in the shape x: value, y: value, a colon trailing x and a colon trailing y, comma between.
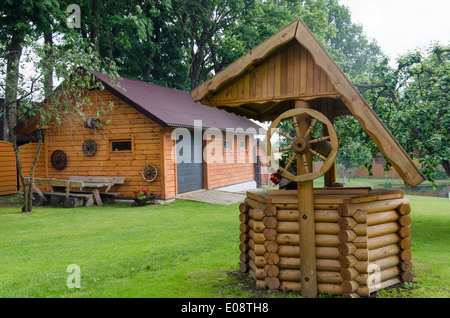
x: 142, y: 202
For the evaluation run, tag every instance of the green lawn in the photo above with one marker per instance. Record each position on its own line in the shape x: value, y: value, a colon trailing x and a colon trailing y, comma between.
x: 180, y: 249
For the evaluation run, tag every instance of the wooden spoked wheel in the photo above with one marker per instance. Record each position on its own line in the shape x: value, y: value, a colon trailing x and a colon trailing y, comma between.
x: 149, y: 172
x: 89, y: 147
x: 58, y: 159
x: 301, y: 144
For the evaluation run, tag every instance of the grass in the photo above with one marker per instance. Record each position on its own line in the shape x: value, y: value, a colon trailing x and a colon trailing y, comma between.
x: 179, y: 250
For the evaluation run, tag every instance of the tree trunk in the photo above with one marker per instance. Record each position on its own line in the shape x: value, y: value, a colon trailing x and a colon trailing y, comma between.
x: 48, y: 79
x: 446, y: 165
x: 12, y: 81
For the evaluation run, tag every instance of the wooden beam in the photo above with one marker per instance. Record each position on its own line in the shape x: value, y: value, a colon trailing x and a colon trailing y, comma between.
x: 306, y: 220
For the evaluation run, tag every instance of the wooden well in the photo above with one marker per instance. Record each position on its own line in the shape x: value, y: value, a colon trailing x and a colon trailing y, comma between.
x: 310, y: 240
x: 362, y: 239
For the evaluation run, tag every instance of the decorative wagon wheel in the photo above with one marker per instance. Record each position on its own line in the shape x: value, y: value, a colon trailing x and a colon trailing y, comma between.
x: 89, y: 147
x: 58, y: 159
x: 149, y: 172
x: 301, y: 145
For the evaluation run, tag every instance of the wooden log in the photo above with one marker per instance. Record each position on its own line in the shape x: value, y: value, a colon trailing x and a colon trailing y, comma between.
x: 243, y: 247
x: 407, y: 276
x: 244, y: 217
x: 256, y: 226
x: 259, y: 261
x: 347, y: 223
x: 317, y: 206
x: 244, y: 227
x: 383, y: 252
x: 244, y: 237
x: 405, y: 244
x: 254, y: 204
x: 382, y: 229
x: 370, y: 279
x: 271, y: 270
x: 244, y: 207
x: 289, y: 262
x: 272, y: 258
x: 346, y: 236
x: 405, y: 266
x: 361, y: 266
x: 270, y: 210
x: 256, y: 214
x: 260, y: 284
x: 325, y: 277
x: 287, y: 227
x: 270, y: 234
x: 271, y: 246
x: 326, y: 228
x: 383, y: 240
x: 404, y: 232
x: 244, y: 258
x: 258, y: 238
x: 405, y: 255
x: 387, y: 262
x: 288, y: 251
x: 347, y: 248
x: 259, y: 249
x: 327, y: 240
x: 328, y: 265
x: 259, y: 273
x: 270, y: 222
x: 360, y: 216
x: 347, y: 260
x: 360, y: 241
x: 322, y: 288
x: 272, y: 282
x: 365, y: 291
x: 382, y: 217
x: 404, y: 209
x: 319, y: 215
x: 362, y: 254
x: 244, y: 267
x: 287, y: 215
x: 371, y: 207
x: 349, y: 273
x: 287, y: 239
x: 349, y: 286
x: 327, y: 252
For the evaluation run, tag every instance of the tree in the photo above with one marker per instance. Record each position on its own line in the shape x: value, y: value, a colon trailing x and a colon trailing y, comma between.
x: 63, y: 59
x: 413, y: 101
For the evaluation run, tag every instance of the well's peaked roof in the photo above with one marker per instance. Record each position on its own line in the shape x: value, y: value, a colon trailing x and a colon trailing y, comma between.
x: 172, y: 107
x: 239, y: 89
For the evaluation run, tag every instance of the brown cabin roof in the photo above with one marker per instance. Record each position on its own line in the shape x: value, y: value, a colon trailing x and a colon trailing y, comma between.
x: 172, y: 107
x: 293, y: 56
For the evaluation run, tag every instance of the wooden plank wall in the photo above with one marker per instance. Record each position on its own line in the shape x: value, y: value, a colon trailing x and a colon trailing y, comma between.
x: 8, y: 173
x: 170, y: 166
x: 291, y: 72
x: 124, y: 122
x: 239, y: 169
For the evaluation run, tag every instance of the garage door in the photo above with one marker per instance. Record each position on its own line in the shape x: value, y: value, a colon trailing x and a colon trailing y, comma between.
x: 189, y: 161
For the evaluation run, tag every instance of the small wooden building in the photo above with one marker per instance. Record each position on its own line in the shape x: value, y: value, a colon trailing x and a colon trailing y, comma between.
x: 332, y: 239
x: 144, y: 127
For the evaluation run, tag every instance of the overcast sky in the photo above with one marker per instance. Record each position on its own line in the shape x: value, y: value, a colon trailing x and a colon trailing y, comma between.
x: 402, y: 25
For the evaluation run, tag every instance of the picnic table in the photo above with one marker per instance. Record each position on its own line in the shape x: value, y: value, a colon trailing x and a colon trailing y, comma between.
x: 66, y: 189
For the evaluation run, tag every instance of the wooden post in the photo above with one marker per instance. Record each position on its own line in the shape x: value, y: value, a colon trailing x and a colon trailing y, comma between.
x: 327, y: 110
x: 306, y: 216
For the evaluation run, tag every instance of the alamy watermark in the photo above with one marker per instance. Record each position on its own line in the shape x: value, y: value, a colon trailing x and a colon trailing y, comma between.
x: 74, y: 20
x: 74, y: 279
x: 230, y: 145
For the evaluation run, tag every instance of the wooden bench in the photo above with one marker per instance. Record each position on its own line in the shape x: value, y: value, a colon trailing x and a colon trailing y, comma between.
x: 73, y: 200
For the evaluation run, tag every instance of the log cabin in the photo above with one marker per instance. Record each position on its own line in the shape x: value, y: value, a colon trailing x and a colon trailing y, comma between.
x: 190, y: 146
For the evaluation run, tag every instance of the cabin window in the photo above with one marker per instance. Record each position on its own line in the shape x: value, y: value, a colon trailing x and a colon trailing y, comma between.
x: 119, y: 146
x: 226, y: 144
x: 242, y: 144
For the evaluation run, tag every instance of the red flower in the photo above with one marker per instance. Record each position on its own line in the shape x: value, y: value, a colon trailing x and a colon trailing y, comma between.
x: 275, y: 178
